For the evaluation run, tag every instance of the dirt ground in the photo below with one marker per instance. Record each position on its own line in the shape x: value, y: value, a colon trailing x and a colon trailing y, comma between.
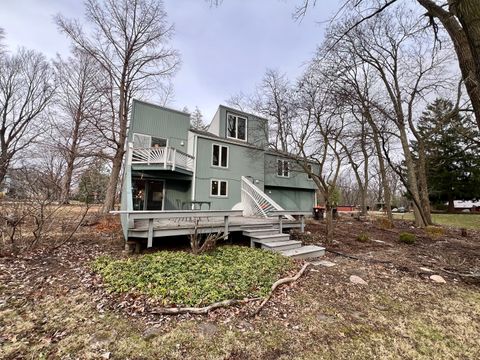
x: 52, y: 306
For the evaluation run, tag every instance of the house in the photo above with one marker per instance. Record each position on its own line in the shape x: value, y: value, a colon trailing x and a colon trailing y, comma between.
x: 171, y: 167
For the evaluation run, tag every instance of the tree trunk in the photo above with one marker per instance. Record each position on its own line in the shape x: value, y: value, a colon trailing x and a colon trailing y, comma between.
x: 422, y: 183
x: 67, y: 182
x: 420, y: 220
x: 4, y: 162
x: 387, y: 193
x: 328, y: 222
x: 451, y: 204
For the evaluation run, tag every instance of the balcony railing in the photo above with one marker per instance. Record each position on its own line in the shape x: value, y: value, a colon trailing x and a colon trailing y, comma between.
x: 169, y: 158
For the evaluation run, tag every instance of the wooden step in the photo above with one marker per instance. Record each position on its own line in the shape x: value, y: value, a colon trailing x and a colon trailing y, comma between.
x: 270, y: 238
x: 256, y: 226
x: 256, y: 232
x: 281, y: 245
x: 305, y: 252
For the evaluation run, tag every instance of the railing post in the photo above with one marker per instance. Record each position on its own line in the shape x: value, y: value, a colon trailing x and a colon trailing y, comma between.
x: 150, y: 233
x: 225, y: 219
x: 280, y: 223
x: 165, y: 157
x: 302, y: 226
x: 174, y: 160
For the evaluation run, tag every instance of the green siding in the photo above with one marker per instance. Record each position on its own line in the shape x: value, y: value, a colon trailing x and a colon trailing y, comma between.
x: 243, y: 161
x: 160, y: 122
x: 292, y: 199
x: 297, y: 178
x: 176, y: 192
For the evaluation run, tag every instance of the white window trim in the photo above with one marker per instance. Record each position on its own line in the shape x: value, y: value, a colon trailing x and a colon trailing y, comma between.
x: 220, y: 156
x: 150, y: 137
x: 236, y: 127
x: 289, y: 170
x: 218, y: 196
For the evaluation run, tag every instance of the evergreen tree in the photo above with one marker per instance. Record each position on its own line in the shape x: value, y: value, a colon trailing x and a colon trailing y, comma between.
x: 452, y: 153
x: 196, y: 120
x: 93, y: 183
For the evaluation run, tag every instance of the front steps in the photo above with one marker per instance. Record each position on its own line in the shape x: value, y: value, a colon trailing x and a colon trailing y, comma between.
x: 269, y: 238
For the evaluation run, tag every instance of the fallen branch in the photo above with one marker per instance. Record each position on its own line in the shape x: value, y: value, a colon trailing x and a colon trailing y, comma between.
x: 201, y: 310
x: 473, y: 275
x: 358, y: 258
x: 278, y: 283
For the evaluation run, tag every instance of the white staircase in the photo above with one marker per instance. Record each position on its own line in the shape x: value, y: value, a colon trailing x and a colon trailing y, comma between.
x: 256, y: 203
x: 268, y: 237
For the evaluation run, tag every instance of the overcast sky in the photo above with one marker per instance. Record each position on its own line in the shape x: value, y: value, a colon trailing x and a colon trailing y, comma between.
x: 224, y: 49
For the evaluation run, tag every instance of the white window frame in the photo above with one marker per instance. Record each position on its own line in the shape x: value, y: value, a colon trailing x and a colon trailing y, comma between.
x: 220, y: 156
x: 236, y: 126
x: 219, y: 186
x: 283, y: 162
x: 149, y: 137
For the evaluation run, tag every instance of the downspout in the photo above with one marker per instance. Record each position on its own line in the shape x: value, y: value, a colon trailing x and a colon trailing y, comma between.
x: 194, y: 182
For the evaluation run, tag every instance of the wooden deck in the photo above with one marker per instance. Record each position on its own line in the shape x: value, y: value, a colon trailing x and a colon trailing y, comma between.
x: 185, y: 226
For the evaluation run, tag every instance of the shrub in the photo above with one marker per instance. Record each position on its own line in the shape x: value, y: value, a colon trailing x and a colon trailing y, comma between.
x: 407, y: 238
x: 435, y: 231
x: 384, y: 223
x: 363, y: 237
x: 183, y: 279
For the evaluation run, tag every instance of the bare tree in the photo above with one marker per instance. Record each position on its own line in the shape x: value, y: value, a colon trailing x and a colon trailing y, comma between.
x: 128, y: 39
x: 460, y: 19
x: 26, y: 89
x: 77, y: 98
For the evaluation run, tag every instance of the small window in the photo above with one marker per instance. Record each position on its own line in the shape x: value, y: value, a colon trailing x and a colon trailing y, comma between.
x: 283, y: 168
x: 220, y: 155
x: 218, y: 188
x: 309, y: 166
x: 158, y: 142
x: 236, y: 127
x: 141, y: 141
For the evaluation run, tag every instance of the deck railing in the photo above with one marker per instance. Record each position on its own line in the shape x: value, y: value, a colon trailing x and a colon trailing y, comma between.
x: 165, y: 156
x: 256, y: 203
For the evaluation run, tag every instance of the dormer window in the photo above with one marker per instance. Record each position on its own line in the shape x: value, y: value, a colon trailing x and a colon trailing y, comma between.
x: 236, y: 127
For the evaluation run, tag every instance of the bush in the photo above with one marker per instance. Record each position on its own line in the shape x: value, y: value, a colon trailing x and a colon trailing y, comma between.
x: 363, y: 237
x: 407, y: 238
x: 384, y: 223
x: 435, y: 231
x: 183, y: 279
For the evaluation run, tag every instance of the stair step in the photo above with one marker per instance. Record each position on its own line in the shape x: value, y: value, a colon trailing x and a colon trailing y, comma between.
x: 281, y: 245
x: 255, y: 232
x: 270, y: 238
x: 305, y: 252
x: 256, y: 226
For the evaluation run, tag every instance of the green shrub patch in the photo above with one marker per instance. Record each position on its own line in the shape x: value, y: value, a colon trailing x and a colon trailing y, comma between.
x: 183, y: 279
x: 407, y: 238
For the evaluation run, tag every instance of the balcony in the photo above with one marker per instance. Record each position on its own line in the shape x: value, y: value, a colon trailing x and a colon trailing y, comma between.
x: 166, y: 157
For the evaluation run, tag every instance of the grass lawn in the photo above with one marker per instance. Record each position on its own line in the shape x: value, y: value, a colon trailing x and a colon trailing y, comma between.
x: 181, y: 278
x: 467, y: 221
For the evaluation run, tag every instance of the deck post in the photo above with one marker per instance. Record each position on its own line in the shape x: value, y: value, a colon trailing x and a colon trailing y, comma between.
x: 150, y: 233
x: 302, y: 226
x: 165, y: 157
x: 280, y: 223
x: 225, y: 219
x: 174, y: 159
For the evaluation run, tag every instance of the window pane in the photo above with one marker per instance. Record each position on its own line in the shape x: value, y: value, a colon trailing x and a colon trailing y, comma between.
x: 310, y: 170
x: 158, y: 142
x: 141, y: 141
x: 214, y: 190
x: 224, y: 156
x: 223, y: 188
x: 215, y: 155
x: 279, y: 168
x: 231, y: 124
x: 242, y: 128
x: 285, y: 168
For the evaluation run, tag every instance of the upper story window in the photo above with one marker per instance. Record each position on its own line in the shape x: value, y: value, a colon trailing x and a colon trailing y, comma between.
x: 283, y: 168
x: 310, y: 171
x: 220, y: 155
x: 236, y: 127
x: 141, y: 141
